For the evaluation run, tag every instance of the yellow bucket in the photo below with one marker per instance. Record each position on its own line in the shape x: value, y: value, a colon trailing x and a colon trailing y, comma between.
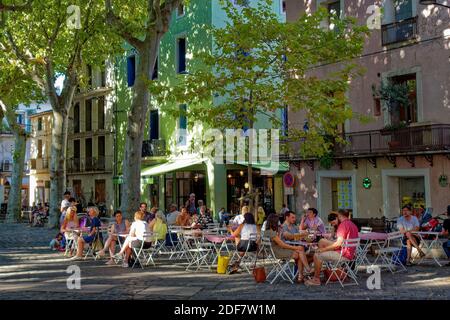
x: 222, y: 264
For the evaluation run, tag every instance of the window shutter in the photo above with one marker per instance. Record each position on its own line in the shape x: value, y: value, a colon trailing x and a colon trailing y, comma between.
x: 131, y: 70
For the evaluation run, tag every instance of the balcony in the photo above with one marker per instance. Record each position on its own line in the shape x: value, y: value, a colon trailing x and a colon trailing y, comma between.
x: 399, y: 31
x: 91, y: 164
x: 154, y: 148
x: 411, y: 139
x: 39, y: 164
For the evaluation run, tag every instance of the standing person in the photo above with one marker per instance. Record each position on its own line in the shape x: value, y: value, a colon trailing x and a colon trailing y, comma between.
x: 312, y: 222
x: 65, y: 204
x: 283, y: 210
x: 406, y: 224
x: 331, y: 251
x: 261, y: 215
x: 190, y: 204
x: 172, y: 215
x: 120, y: 226
x: 445, y: 232
x: 93, y: 231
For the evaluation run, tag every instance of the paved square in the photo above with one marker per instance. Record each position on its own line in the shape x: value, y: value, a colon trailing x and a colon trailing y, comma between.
x: 32, y: 271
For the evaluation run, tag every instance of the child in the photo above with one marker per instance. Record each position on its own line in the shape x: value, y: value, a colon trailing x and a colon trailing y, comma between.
x: 55, y: 244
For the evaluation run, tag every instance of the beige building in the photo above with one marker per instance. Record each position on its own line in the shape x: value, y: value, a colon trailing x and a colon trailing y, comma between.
x: 407, y: 165
x: 40, y: 152
x: 90, y: 144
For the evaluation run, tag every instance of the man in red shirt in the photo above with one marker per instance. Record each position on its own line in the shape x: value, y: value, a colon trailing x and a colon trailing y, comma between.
x: 331, y: 251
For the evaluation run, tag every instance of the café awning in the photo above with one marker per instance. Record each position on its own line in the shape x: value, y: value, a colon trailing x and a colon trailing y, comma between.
x: 173, y: 165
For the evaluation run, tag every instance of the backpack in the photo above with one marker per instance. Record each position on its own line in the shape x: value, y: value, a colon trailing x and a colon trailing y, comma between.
x: 400, y: 258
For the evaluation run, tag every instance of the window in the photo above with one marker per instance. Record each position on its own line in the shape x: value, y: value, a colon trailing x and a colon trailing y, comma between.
x: 406, y: 113
x: 131, y: 70
x: 180, y: 10
x: 101, y: 113
x: 103, y: 74
x: 181, y: 55
x: 399, y: 22
x: 155, y: 70
x: 334, y: 9
x: 283, y: 6
x: 76, y: 118
x: 39, y: 124
x: 39, y: 149
x: 89, y: 74
x: 101, y: 154
x: 88, y: 153
x: 182, y: 125
x: 154, y: 125
x: 88, y: 114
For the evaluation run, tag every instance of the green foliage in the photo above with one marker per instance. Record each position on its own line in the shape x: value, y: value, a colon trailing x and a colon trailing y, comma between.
x: 393, y: 95
x: 396, y: 126
x: 260, y: 65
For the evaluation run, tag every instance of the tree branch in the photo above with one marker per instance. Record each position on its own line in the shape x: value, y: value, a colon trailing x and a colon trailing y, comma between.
x: 15, y: 7
x: 117, y: 23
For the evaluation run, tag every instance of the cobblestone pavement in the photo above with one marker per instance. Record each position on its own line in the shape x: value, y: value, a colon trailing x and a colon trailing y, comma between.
x: 29, y: 270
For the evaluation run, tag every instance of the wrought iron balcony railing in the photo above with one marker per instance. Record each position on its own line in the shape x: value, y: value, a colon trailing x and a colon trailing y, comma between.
x: 154, y: 148
x: 399, y: 31
x: 90, y: 164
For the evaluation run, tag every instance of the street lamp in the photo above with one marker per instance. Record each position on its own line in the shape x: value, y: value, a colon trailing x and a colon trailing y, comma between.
x: 434, y: 2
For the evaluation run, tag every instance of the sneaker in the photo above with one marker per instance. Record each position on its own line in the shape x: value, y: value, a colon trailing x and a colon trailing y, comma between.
x: 124, y: 265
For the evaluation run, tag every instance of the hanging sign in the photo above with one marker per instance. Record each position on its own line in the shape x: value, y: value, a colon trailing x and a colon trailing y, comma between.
x: 443, y: 181
x: 367, y: 183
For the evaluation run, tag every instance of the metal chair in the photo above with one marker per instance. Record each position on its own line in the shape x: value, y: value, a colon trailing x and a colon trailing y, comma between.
x: 343, y: 265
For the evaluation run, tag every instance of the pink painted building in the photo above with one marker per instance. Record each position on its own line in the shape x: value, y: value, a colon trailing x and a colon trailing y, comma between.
x: 411, y: 46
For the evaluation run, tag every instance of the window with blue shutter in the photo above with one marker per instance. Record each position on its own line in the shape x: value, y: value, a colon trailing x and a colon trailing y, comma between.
x: 182, y: 125
x: 154, y: 125
x: 131, y: 70
x: 181, y: 55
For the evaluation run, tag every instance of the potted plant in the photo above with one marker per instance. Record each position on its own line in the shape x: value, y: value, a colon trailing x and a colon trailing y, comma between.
x: 394, y: 96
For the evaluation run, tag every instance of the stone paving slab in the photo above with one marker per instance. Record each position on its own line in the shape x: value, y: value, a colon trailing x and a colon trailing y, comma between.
x: 185, y: 292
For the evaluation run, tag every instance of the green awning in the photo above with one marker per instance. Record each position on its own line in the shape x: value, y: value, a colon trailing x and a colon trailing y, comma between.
x: 171, y: 166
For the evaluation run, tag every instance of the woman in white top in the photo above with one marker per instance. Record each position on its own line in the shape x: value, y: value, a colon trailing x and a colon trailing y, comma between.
x: 137, y: 230
x: 70, y: 223
x: 245, y: 238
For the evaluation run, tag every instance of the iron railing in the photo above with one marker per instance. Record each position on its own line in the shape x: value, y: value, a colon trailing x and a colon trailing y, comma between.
x: 154, y: 148
x: 399, y: 31
x: 90, y: 164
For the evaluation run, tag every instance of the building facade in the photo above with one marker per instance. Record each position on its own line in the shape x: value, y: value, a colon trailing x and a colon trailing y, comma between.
x: 403, y: 155
x: 90, y: 143
x: 170, y: 169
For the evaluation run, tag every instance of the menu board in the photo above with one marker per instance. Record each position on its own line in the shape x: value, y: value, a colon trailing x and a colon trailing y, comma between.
x: 344, y: 190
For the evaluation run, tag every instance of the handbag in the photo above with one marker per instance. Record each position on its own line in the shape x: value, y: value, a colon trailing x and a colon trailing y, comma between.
x: 97, y: 245
x: 259, y: 273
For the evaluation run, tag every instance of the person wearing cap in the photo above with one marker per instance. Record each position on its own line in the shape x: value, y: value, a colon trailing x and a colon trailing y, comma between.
x: 445, y: 232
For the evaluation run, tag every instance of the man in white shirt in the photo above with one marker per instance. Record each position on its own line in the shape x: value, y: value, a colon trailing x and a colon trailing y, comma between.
x: 172, y: 215
x: 406, y: 224
x: 65, y: 204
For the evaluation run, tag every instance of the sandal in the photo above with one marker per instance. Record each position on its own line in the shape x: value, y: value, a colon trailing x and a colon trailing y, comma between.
x: 300, y: 280
x: 313, y: 282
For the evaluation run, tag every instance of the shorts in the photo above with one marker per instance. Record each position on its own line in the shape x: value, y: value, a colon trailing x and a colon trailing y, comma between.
x: 331, y: 256
x: 88, y: 239
x: 242, y: 246
x: 415, y: 237
x: 136, y: 244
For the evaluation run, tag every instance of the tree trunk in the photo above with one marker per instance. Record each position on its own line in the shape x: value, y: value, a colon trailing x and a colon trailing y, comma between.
x: 58, y: 163
x: 131, y: 187
x: 15, y: 193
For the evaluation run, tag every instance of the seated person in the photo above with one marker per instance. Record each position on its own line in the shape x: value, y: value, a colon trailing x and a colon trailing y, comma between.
x: 282, y: 250
x: 69, y: 224
x: 289, y: 228
x: 138, y: 230
x: 445, y: 232
x: 331, y: 251
x: 245, y: 238
x: 94, y: 227
x: 183, y: 219
x: 159, y: 226
x: 55, y: 244
x: 311, y: 221
x: 120, y: 225
x: 224, y: 217
x: 334, y: 222
x: 204, y: 218
x: 260, y: 216
x: 406, y: 224
x: 172, y: 215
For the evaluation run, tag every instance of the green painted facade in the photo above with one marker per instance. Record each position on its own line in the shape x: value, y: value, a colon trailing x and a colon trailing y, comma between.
x: 190, y: 25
